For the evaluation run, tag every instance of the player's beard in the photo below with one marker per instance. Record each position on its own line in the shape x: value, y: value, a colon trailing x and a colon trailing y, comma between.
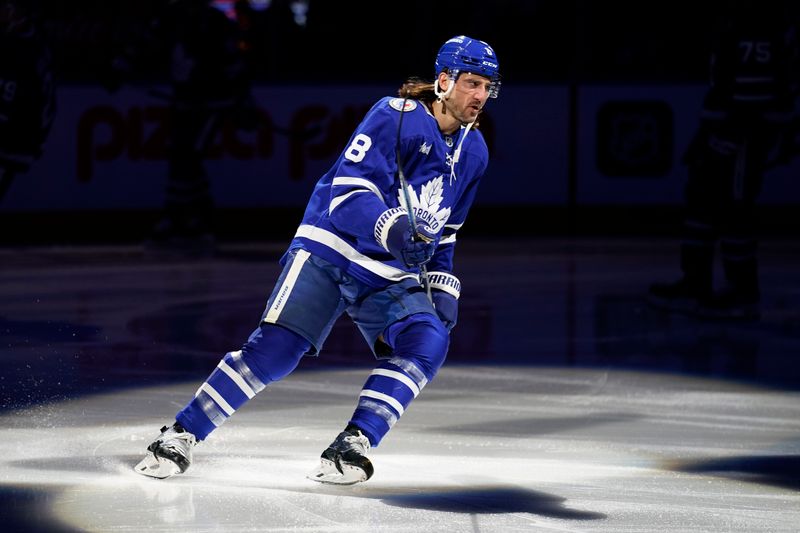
x: 464, y: 115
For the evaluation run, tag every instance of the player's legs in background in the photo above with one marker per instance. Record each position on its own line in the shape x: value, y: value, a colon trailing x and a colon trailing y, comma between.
x: 189, y: 208
x: 739, y: 236
x: 709, y: 162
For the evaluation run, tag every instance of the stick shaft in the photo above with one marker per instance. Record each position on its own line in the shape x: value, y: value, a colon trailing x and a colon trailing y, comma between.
x: 412, y: 219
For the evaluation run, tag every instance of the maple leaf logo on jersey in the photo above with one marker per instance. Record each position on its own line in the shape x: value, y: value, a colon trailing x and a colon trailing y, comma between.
x: 426, y: 205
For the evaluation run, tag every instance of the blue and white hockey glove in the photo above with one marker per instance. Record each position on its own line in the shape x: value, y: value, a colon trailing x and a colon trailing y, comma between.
x: 411, y: 250
x: 446, y: 306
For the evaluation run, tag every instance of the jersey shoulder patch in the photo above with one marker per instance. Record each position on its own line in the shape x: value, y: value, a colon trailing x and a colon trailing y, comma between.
x: 397, y: 104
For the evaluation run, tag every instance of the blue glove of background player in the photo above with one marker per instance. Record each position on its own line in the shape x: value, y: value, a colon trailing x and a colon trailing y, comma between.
x: 446, y: 306
x: 411, y: 250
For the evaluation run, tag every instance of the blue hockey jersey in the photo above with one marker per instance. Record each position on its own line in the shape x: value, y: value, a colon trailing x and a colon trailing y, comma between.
x: 356, y: 201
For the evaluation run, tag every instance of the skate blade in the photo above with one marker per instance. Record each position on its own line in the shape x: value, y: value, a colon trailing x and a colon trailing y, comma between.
x: 156, y: 467
x: 326, y: 472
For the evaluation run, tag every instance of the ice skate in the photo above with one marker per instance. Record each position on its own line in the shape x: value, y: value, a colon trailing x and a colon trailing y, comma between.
x: 344, y: 462
x: 169, y: 454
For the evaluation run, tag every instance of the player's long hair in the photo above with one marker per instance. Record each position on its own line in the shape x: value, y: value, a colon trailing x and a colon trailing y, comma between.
x: 419, y: 89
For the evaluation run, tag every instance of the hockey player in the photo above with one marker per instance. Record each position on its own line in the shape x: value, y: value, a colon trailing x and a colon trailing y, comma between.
x: 747, y: 109
x: 357, y: 251
x: 27, y: 95
x: 210, y: 82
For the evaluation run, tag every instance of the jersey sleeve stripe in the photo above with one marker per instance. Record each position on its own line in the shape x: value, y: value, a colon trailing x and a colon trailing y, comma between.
x: 339, y: 199
x: 361, y: 183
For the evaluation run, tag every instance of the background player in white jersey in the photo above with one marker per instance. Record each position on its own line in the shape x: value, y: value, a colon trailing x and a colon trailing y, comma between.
x: 356, y: 251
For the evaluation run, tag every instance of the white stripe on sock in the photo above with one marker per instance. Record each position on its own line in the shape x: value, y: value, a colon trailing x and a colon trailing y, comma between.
x: 208, y: 389
x: 397, y: 406
x: 399, y: 376
x: 243, y: 370
x: 231, y: 373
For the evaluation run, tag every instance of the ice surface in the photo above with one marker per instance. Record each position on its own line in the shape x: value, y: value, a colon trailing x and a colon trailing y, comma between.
x: 482, y: 449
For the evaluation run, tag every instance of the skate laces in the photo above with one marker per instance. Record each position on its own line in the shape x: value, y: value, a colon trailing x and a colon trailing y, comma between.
x: 173, y: 438
x: 357, y: 442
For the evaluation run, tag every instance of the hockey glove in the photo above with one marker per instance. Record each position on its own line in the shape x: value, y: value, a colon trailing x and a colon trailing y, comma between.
x: 413, y: 250
x: 446, y: 306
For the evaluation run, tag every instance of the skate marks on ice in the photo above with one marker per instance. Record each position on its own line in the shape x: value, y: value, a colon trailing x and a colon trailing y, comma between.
x: 485, y: 449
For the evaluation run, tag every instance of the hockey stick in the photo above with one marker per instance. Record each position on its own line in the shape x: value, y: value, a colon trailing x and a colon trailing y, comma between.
x: 412, y: 219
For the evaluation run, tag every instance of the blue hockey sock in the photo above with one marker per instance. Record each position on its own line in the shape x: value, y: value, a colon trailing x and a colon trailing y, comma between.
x: 419, y: 349
x: 270, y: 353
